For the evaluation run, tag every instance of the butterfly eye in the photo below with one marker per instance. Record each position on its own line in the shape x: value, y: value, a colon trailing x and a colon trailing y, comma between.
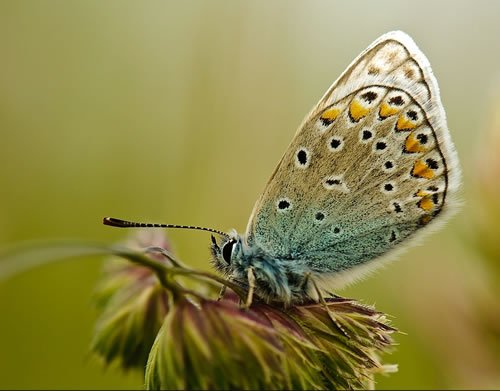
x: 227, y: 250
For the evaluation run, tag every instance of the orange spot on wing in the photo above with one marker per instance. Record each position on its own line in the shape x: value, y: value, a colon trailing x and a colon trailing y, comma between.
x: 422, y: 170
x: 425, y: 219
x: 387, y: 110
x: 330, y: 114
x: 413, y: 145
x: 426, y: 203
x: 422, y: 193
x: 404, y: 123
x: 357, y: 110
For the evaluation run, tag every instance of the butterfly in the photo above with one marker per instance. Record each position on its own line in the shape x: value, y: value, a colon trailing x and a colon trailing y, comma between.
x: 371, y: 168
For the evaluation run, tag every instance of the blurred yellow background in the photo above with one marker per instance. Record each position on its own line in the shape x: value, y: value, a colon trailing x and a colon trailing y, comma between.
x: 178, y: 112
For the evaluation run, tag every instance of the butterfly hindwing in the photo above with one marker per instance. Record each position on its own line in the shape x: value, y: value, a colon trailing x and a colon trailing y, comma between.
x: 371, y: 165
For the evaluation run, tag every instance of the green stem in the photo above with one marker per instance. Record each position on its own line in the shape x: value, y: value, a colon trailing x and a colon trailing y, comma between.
x: 163, y: 272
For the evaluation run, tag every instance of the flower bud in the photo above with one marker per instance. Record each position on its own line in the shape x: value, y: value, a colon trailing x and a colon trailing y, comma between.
x: 217, y: 345
x: 132, y: 305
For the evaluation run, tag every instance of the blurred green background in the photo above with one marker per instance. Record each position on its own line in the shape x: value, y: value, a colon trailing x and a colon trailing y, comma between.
x: 178, y: 112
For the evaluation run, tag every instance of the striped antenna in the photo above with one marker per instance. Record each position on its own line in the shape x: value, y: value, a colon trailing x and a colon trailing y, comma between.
x: 114, y: 222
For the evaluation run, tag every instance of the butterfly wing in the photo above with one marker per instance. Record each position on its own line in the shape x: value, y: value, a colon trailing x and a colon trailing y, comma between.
x: 371, y: 165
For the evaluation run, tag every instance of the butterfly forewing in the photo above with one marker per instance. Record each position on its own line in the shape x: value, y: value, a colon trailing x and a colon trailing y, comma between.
x: 371, y: 165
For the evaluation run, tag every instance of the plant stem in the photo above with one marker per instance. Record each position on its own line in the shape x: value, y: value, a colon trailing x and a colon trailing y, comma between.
x: 163, y: 272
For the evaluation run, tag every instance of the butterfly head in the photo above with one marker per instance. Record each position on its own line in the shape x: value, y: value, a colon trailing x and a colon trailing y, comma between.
x: 226, y: 252
x: 275, y: 279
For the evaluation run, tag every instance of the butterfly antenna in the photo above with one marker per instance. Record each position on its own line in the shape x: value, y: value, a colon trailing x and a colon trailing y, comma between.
x: 114, y: 222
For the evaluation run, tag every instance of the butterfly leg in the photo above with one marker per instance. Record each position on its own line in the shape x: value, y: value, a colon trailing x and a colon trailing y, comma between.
x: 305, y: 281
x: 222, y: 292
x: 251, y: 288
x: 331, y: 314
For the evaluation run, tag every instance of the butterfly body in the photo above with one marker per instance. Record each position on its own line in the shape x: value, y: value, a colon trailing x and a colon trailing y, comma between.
x: 277, y: 279
x: 371, y: 167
